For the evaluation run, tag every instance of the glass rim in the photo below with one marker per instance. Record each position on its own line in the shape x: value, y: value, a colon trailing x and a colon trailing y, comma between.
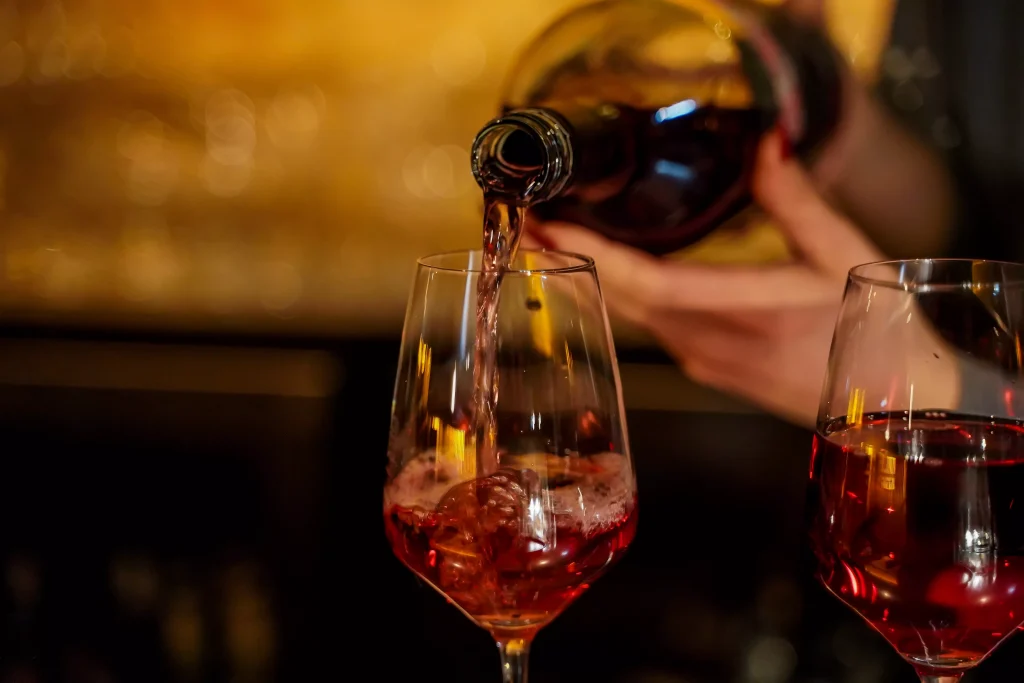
x: 585, y: 263
x: 859, y: 274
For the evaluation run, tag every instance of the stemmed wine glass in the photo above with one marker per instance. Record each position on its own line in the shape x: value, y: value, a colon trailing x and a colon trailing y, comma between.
x: 514, y: 525
x: 919, y: 458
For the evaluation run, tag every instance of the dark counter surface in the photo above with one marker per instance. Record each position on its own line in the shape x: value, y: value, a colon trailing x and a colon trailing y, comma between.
x: 198, y: 510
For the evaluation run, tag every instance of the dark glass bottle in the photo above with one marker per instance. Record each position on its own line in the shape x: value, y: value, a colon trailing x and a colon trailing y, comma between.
x: 640, y: 119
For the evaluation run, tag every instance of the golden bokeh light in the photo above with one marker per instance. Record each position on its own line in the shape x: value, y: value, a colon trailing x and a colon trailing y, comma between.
x: 261, y: 164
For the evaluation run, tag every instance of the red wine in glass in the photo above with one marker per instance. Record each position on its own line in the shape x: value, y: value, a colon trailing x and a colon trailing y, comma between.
x: 474, y: 545
x: 918, y: 525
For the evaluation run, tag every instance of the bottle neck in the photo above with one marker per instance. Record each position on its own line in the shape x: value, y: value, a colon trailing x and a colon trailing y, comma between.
x: 537, y: 154
x: 525, y: 155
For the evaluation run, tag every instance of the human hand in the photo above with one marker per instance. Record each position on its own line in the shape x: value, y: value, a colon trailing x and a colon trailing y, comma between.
x: 760, y: 332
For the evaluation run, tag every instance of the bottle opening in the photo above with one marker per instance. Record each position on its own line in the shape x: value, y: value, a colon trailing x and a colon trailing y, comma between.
x: 521, y: 152
x: 509, y: 159
x: 524, y: 156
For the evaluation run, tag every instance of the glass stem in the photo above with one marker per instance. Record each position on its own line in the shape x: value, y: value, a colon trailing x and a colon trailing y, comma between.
x: 942, y: 679
x: 515, y: 658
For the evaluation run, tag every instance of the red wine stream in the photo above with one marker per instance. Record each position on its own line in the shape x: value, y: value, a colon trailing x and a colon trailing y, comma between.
x: 503, y: 225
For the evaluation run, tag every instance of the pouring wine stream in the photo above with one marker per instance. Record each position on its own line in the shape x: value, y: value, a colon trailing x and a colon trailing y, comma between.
x: 511, y: 161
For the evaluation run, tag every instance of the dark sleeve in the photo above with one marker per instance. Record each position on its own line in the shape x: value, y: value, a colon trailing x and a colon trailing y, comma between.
x: 931, y: 81
x: 952, y: 75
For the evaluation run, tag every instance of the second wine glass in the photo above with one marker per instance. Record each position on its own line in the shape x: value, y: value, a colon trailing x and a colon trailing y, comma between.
x: 510, y: 540
x: 919, y: 459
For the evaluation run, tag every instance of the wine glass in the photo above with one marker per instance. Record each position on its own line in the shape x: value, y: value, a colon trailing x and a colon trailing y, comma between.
x: 919, y: 458
x: 513, y: 525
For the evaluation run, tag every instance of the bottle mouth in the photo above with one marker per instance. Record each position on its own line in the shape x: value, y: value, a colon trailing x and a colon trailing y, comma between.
x: 524, y: 156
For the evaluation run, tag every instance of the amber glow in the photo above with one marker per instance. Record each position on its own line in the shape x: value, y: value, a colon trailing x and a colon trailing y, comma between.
x: 454, y: 451
x: 423, y: 360
x: 259, y: 165
x: 855, y: 407
x: 540, y: 319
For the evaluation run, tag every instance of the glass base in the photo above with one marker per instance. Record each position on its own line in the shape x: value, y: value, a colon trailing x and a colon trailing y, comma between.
x: 947, y: 665
x: 943, y: 669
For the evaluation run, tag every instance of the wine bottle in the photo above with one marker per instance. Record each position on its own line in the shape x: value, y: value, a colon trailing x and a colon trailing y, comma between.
x: 640, y: 119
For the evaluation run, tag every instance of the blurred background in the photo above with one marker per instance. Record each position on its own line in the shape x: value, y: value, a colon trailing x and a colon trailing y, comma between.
x: 260, y: 166
x: 209, y: 217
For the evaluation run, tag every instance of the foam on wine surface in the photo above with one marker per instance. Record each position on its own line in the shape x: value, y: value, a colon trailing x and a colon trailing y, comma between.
x: 587, y: 494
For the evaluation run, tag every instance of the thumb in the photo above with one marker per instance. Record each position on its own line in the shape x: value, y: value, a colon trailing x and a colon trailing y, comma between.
x: 827, y: 240
x: 630, y: 279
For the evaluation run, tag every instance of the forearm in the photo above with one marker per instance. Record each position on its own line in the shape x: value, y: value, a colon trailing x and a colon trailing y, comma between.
x: 890, y: 183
